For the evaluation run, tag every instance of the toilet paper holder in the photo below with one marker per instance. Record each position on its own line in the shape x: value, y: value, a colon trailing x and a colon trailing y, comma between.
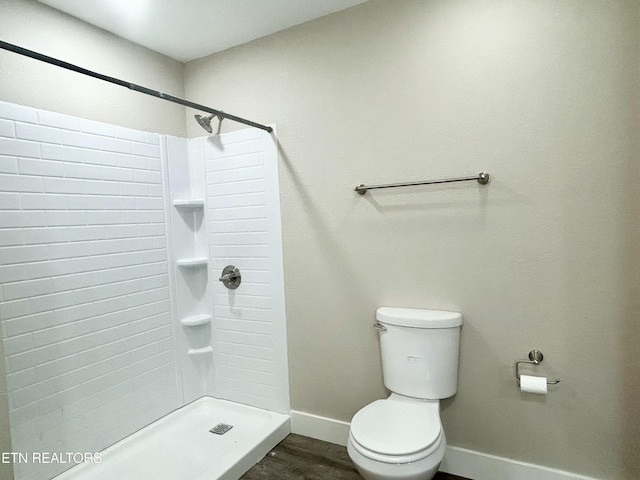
x: 535, y: 357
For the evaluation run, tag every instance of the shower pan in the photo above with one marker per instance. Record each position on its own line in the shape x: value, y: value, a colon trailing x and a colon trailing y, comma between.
x: 119, y: 339
x: 183, y: 445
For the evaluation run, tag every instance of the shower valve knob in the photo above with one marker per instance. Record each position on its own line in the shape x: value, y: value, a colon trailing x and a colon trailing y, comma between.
x: 231, y: 277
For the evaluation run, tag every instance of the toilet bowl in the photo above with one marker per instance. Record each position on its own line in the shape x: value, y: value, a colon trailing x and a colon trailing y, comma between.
x: 401, y: 437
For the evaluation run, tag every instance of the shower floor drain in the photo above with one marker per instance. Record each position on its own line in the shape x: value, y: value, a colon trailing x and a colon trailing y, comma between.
x: 221, y: 429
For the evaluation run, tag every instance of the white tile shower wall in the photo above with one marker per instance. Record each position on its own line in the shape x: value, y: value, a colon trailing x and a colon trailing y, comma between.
x: 249, y: 330
x: 84, y: 297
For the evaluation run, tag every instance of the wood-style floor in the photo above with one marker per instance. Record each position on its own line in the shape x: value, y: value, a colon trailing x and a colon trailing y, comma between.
x: 304, y: 458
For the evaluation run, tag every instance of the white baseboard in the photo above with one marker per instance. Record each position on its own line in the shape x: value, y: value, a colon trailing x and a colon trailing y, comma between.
x: 457, y: 461
x: 321, y: 428
x: 481, y: 466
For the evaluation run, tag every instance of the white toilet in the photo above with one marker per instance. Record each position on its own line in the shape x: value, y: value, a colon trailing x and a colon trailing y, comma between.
x: 401, y: 438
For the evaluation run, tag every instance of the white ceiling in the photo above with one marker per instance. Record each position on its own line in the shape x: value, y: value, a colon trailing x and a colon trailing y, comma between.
x: 190, y: 29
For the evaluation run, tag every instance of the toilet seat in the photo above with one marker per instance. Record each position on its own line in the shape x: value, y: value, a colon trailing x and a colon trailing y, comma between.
x: 396, y: 431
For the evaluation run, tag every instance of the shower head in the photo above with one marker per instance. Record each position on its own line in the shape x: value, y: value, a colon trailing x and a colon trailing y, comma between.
x: 205, y: 122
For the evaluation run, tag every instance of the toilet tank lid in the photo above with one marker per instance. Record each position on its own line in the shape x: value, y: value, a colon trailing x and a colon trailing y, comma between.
x: 418, y: 317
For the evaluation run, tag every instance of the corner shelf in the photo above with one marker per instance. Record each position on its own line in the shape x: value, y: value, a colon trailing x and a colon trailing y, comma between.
x: 196, y: 320
x: 191, y: 203
x: 193, y: 262
x: 200, y: 351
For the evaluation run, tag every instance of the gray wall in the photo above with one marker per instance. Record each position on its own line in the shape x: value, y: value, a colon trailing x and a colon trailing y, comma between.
x: 541, y: 94
x: 25, y: 81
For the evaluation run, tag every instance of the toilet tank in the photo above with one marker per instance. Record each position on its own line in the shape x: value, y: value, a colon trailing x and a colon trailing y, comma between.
x: 420, y: 351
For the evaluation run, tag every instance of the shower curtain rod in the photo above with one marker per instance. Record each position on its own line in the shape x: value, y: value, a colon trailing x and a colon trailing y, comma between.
x: 131, y: 86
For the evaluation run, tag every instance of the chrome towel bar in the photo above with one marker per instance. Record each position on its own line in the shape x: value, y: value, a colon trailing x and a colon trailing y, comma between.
x: 483, y: 178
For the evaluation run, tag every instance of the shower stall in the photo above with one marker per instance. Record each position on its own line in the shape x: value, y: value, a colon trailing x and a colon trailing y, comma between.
x: 121, y: 343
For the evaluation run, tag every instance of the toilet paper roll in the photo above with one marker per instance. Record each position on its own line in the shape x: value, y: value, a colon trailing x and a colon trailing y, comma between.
x: 531, y: 384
